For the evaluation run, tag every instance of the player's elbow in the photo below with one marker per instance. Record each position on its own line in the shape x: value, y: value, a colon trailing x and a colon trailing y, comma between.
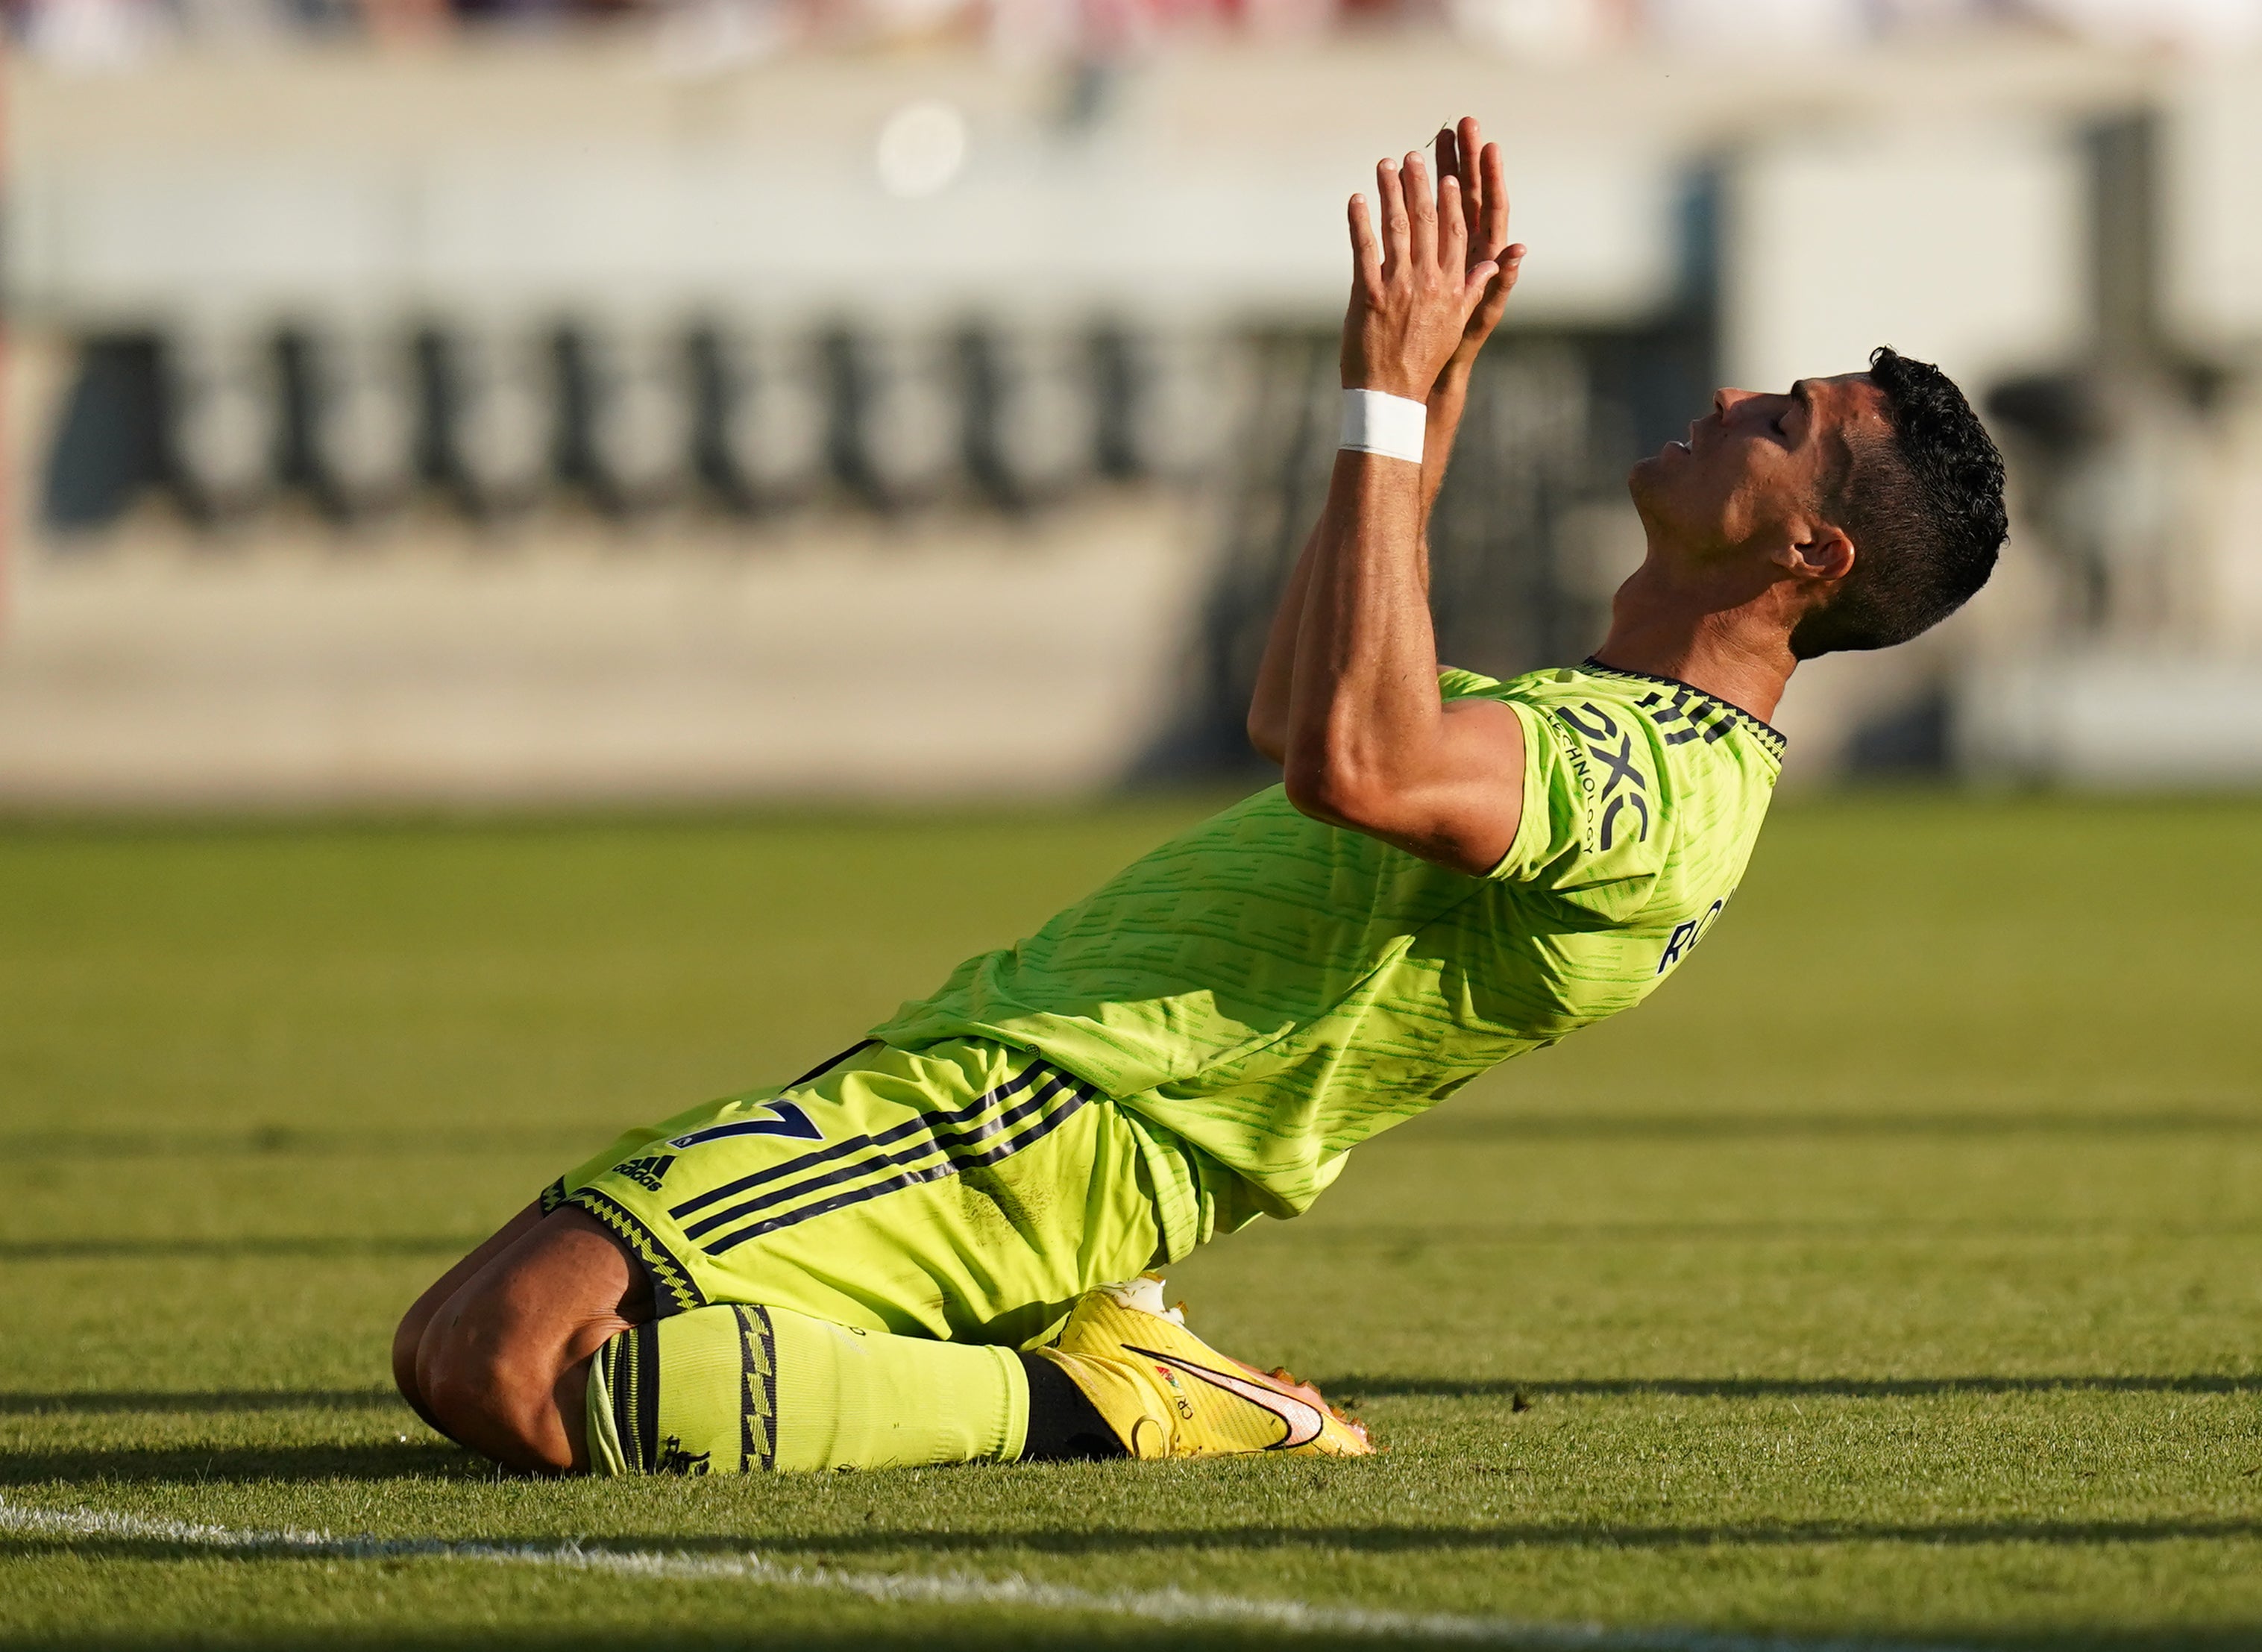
x: 1267, y: 735
x: 1326, y: 787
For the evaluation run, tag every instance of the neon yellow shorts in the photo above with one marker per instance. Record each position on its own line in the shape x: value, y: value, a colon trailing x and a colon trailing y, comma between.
x: 964, y: 1191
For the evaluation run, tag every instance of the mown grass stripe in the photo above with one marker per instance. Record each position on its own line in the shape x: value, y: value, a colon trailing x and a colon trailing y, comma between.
x: 1162, y: 1605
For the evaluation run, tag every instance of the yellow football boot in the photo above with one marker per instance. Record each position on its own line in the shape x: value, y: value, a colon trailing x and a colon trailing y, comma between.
x: 1166, y: 1393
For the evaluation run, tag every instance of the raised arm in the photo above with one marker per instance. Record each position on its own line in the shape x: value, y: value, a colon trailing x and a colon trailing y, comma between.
x: 1465, y: 156
x: 1368, y: 745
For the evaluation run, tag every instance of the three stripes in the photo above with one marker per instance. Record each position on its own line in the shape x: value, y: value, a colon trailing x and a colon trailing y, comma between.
x: 990, y: 1127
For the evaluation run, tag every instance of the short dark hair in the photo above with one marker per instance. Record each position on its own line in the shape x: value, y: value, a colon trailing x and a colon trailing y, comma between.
x: 1924, y: 509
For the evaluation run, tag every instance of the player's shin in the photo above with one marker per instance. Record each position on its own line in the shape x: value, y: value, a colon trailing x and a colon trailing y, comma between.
x: 731, y: 1389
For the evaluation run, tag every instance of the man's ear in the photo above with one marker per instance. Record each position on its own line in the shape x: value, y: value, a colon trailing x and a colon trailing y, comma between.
x: 1820, y: 552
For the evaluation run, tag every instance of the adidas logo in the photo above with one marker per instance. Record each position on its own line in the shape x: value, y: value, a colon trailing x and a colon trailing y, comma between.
x: 646, y: 1172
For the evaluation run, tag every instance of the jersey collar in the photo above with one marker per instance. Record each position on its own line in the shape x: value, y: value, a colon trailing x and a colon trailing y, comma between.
x: 1769, y: 736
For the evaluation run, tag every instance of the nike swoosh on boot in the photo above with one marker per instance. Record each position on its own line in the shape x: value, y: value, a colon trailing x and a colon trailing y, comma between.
x: 1302, y: 1421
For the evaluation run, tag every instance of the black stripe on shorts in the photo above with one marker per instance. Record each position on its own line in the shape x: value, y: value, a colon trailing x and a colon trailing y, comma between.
x: 830, y: 1062
x: 975, y: 1109
x: 939, y: 1141
x: 952, y: 1164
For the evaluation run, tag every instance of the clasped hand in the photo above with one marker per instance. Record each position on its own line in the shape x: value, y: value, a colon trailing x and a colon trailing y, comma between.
x: 1432, y: 283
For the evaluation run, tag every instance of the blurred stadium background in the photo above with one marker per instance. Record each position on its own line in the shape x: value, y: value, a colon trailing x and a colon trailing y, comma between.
x: 519, y: 401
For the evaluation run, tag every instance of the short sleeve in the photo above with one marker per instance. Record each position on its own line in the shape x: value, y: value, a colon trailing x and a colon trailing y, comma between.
x: 1453, y: 683
x: 1593, y: 836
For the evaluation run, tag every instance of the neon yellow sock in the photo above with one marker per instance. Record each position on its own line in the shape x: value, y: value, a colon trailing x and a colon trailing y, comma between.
x: 731, y: 1389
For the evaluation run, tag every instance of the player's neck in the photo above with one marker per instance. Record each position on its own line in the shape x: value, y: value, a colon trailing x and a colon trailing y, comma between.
x: 1737, y: 654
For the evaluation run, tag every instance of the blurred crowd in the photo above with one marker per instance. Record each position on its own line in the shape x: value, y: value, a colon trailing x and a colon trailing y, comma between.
x: 99, y: 35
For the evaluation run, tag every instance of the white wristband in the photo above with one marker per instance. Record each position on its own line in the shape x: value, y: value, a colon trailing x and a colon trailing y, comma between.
x: 1374, y: 421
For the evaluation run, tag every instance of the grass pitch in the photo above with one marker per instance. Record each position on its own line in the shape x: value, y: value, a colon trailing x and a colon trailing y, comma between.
x: 1896, y: 1273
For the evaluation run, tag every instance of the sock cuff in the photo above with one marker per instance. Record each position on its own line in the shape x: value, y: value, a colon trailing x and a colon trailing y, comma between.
x: 622, y: 1407
x: 1013, y: 1433
x: 603, y: 1434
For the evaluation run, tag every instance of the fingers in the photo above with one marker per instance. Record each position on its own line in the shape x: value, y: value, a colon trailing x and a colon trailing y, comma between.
x: 1492, y: 233
x: 1447, y: 145
x: 1420, y: 211
x: 1479, y: 287
x: 1511, y: 266
x: 1494, y: 303
x: 1452, y: 226
x: 1365, y: 251
x: 1396, y: 228
x: 1442, y: 225
x: 1469, y: 145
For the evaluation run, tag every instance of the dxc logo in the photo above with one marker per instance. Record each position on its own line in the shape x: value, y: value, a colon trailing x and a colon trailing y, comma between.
x: 1618, y: 769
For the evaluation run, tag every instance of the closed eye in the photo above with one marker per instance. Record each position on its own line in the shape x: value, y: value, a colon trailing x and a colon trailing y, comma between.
x: 1802, y: 398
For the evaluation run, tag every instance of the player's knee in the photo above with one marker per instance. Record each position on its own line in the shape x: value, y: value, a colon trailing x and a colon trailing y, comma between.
x: 405, y: 1339
x: 493, y: 1385
x: 407, y: 1350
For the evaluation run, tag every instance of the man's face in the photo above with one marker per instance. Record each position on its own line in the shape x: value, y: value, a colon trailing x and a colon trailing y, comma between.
x: 1750, y: 474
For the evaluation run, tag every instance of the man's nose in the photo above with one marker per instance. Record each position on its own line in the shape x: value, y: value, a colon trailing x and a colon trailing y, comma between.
x: 1724, y: 399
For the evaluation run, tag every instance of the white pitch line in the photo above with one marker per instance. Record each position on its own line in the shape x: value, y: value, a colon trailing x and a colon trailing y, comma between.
x: 1162, y: 1605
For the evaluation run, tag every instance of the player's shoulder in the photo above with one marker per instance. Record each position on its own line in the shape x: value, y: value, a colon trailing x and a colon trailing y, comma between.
x: 1632, y: 711
x: 1633, y: 784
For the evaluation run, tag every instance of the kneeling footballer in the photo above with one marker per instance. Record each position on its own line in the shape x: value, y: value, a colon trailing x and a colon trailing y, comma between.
x: 939, y: 1247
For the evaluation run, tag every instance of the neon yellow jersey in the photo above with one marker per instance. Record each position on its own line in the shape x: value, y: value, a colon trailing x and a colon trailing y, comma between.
x: 1276, y: 991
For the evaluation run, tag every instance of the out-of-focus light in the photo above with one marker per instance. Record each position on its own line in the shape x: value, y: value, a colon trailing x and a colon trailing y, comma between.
x: 1546, y: 31
x: 97, y: 37
x: 2196, y: 24
x: 1740, y: 27
x: 922, y: 147
x: 706, y: 37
